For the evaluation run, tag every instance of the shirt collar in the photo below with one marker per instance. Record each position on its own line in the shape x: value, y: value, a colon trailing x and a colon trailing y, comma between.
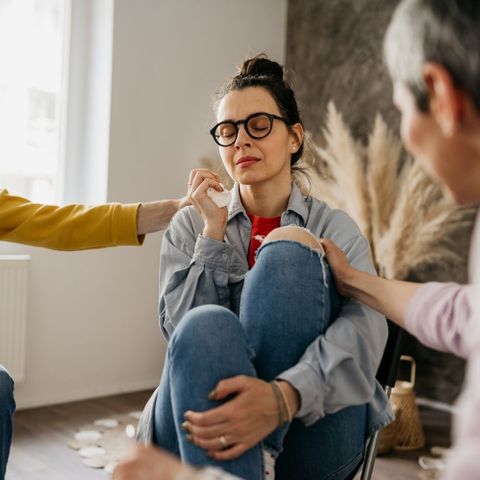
x: 236, y: 205
x: 296, y: 204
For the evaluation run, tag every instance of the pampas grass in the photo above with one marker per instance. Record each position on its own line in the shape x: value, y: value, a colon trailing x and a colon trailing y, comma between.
x: 344, y: 181
x: 423, y: 227
x: 384, y: 156
x: 407, y: 218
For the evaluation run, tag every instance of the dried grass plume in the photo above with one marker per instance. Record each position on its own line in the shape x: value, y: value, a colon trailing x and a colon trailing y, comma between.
x: 407, y: 218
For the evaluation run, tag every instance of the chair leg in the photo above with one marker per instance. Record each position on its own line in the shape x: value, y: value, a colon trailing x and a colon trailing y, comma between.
x: 370, y: 455
x: 372, y: 447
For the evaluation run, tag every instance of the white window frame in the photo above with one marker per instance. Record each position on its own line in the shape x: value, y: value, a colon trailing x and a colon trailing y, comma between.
x: 85, y: 147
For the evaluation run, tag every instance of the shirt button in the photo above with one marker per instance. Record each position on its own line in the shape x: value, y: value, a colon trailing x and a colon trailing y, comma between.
x: 225, y: 256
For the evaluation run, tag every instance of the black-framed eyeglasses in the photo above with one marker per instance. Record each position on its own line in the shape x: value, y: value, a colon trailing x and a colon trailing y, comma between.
x: 257, y: 125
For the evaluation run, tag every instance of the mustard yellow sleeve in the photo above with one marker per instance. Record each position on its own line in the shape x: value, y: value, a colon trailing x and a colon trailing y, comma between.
x: 73, y: 227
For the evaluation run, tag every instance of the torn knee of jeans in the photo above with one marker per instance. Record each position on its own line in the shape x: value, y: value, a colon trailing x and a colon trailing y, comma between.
x: 297, y: 234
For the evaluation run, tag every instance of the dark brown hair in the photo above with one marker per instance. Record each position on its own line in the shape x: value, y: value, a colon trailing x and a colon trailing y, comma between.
x: 260, y: 71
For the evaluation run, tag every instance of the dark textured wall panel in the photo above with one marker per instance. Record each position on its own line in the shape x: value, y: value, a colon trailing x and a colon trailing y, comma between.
x: 334, y: 48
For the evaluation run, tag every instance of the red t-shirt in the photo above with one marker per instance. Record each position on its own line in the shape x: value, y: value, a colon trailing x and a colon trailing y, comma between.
x: 261, y: 227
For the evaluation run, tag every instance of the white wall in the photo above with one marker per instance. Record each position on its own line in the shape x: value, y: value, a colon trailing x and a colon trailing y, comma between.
x: 92, y: 321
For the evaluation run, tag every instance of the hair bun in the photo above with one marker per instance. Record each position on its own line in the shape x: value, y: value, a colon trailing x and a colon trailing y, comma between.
x: 260, y: 65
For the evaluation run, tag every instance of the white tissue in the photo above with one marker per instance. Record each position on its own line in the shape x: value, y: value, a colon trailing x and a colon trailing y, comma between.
x: 222, y: 199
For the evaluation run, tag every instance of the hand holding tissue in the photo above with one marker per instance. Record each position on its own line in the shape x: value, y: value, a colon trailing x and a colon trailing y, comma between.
x: 221, y: 199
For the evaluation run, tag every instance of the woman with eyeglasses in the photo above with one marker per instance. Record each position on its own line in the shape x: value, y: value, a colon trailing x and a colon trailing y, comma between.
x: 266, y: 363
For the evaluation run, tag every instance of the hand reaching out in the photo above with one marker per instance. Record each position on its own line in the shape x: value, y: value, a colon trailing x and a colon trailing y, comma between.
x: 151, y: 463
x: 339, y: 265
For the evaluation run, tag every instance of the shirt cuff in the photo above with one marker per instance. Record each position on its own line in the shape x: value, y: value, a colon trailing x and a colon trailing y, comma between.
x: 312, y: 392
x: 213, y: 253
x: 124, y: 225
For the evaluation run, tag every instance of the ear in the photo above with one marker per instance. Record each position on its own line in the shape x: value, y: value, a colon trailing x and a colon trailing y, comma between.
x: 446, y: 101
x: 296, y: 137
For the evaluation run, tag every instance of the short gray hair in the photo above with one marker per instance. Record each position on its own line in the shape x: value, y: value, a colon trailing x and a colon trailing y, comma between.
x: 446, y: 32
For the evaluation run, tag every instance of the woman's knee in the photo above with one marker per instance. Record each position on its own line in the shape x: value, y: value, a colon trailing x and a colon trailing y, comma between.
x: 295, y: 234
x: 206, y: 325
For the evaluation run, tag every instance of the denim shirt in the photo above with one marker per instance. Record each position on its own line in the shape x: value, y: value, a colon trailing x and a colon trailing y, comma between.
x: 338, y: 369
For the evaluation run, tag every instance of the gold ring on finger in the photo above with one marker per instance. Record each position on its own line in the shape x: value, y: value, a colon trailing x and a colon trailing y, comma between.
x: 223, y: 441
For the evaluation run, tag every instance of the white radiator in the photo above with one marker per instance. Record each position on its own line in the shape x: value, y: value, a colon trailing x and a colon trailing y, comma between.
x: 13, y: 313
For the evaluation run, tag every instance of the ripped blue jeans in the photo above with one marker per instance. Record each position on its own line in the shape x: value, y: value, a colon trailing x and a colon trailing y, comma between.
x: 288, y: 300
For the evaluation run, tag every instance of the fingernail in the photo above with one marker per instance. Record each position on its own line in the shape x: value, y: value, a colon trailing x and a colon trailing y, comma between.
x: 184, y: 425
x: 211, y: 395
x: 187, y: 414
x: 189, y: 437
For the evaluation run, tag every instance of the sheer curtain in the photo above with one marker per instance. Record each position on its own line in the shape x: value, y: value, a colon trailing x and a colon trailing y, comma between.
x: 33, y: 48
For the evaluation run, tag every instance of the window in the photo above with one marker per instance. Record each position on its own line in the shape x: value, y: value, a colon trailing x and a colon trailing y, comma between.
x: 32, y: 92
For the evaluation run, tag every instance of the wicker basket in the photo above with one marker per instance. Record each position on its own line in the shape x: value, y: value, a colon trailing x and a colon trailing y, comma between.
x: 409, y: 434
x: 388, y: 435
